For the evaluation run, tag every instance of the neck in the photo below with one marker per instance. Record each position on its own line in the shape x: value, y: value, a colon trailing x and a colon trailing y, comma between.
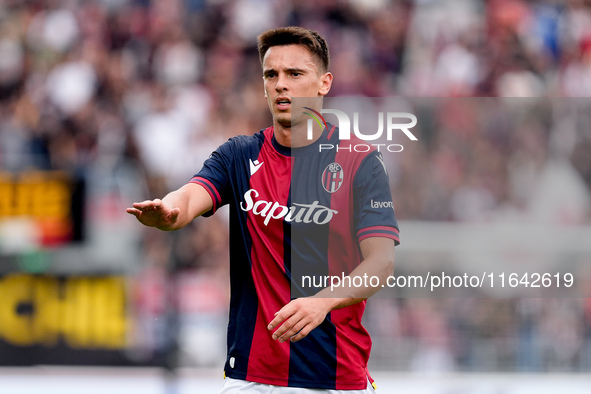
x: 297, y: 136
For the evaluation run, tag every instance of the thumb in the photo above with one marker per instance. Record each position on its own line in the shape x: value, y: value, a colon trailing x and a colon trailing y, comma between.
x: 174, y: 214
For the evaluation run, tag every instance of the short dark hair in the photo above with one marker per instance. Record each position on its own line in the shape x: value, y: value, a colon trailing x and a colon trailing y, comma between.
x: 310, y: 39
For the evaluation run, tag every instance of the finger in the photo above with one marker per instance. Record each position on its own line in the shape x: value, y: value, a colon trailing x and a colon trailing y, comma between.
x: 282, y: 332
x: 297, y: 328
x: 142, y: 205
x: 147, y: 204
x: 280, y: 316
x: 133, y: 211
x: 302, y: 333
x: 174, y: 214
x: 288, y: 327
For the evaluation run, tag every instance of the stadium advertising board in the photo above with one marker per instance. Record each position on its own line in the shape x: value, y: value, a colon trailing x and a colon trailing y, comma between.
x: 53, y: 320
x: 48, y: 205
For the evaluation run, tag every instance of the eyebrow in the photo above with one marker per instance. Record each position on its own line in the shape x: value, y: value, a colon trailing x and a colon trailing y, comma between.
x: 291, y: 69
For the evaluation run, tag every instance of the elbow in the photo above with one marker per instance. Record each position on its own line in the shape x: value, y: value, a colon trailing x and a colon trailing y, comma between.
x: 390, y: 262
x: 389, y: 266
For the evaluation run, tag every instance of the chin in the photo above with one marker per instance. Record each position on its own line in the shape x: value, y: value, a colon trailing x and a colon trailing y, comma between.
x: 286, y: 124
x: 284, y: 121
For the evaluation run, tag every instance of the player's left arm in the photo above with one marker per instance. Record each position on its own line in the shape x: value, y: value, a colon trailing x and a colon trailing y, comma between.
x: 296, y: 319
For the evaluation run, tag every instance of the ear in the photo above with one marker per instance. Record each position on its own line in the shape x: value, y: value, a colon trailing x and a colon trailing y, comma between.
x: 325, y: 84
x: 264, y: 90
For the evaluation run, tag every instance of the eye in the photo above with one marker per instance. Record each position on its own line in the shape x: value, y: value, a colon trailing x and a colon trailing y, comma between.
x: 296, y: 74
x: 270, y: 74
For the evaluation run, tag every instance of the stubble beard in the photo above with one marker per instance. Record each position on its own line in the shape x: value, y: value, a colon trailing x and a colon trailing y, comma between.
x: 284, y: 120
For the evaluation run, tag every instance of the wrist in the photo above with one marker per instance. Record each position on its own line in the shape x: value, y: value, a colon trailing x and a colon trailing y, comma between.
x: 330, y: 302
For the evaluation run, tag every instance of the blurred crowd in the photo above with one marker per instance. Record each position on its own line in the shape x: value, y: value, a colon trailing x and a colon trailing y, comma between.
x: 134, y: 95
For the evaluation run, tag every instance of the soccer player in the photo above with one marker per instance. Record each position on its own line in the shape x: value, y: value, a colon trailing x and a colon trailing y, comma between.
x: 292, y: 206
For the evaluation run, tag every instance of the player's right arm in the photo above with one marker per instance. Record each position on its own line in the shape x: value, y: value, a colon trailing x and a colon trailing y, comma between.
x: 175, y: 210
x: 202, y: 195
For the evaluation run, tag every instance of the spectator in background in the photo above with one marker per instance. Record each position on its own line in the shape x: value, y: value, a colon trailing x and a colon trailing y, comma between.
x: 79, y: 81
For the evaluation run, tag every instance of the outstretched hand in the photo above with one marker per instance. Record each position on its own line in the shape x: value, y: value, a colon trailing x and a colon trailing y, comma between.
x: 155, y: 213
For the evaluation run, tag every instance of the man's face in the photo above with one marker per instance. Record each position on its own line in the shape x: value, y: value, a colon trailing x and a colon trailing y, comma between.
x: 291, y: 71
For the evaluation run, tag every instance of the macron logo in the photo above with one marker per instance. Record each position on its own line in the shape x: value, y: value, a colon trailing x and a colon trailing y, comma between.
x: 254, y: 166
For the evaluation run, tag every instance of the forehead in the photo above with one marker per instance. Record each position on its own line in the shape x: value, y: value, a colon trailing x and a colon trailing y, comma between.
x: 289, y: 56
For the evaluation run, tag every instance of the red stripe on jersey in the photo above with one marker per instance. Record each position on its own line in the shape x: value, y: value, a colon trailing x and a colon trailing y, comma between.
x: 332, y: 129
x: 210, y: 189
x: 267, y: 255
x: 388, y: 228
x: 353, y: 347
x: 353, y: 343
x: 379, y: 231
x: 383, y: 235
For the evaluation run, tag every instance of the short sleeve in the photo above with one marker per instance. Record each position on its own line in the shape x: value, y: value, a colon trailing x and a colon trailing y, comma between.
x: 374, y: 213
x: 215, y: 175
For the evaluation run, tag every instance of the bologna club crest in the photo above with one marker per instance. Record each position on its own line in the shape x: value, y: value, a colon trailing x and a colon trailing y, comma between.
x: 332, y: 177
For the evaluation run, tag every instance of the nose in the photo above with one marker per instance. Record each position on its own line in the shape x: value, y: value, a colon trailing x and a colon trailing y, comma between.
x: 281, y: 85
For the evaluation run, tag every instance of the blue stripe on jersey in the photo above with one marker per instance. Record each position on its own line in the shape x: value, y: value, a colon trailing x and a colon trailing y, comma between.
x: 313, y: 359
x: 243, y: 303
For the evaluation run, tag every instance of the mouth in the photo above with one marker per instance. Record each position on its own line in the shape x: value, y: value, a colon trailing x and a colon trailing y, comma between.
x: 282, y: 103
